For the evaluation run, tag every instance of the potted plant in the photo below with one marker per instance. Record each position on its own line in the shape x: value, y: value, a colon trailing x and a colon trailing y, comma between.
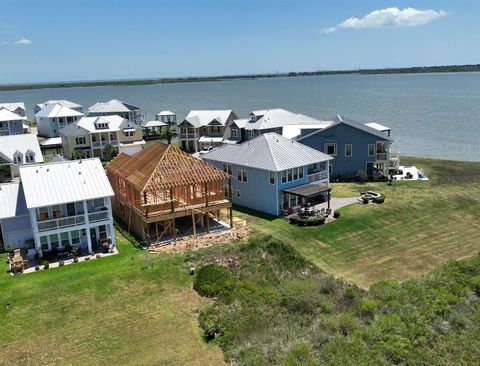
x: 61, y: 263
x: 37, y: 268
x: 75, y: 259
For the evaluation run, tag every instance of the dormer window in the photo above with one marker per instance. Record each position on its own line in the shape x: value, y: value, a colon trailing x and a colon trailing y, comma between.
x: 29, y: 157
x: 253, y: 118
x: 101, y: 125
x: 18, y: 157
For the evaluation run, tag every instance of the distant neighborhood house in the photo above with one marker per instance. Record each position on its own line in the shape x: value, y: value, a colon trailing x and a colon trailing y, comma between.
x: 63, y: 102
x: 16, y: 151
x: 117, y: 107
x: 51, y: 118
x: 11, y: 123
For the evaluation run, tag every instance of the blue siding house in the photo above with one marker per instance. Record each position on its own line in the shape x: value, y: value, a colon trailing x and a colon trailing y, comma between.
x: 355, y: 146
x: 270, y: 172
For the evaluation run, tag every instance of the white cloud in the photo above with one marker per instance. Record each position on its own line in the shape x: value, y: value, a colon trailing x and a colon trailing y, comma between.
x: 23, y: 41
x: 390, y: 17
x: 329, y: 30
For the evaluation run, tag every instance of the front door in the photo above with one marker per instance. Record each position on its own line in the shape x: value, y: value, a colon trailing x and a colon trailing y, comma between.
x: 93, y: 237
x: 369, y: 169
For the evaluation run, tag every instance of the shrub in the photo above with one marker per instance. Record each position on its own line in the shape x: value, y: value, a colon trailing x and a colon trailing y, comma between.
x: 37, y: 268
x: 476, y: 284
x: 368, y: 307
x: 68, y: 248
x: 212, y: 280
x: 209, y: 322
x: 300, y: 297
x: 349, y: 293
x: 380, y: 199
x: 75, y: 260
x: 312, y: 221
x: 361, y: 176
x: 365, y: 200
x: 301, y: 354
x: 336, y: 214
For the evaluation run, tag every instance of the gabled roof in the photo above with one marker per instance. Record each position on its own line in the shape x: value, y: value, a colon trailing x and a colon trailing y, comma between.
x: 150, y: 124
x: 240, y: 123
x: 8, y: 115
x: 199, y: 118
x: 293, y: 131
x: 88, y: 124
x: 63, y: 182
x: 269, y: 151
x: 9, y: 145
x: 354, y: 124
x: 112, y: 106
x: 162, y: 166
x: 378, y: 126
x: 57, y: 110
x: 277, y: 117
x: 165, y: 113
x: 12, y: 200
x: 12, y: 107
x: 65, y: 103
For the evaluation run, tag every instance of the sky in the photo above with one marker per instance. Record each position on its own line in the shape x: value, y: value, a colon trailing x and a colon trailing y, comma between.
x: 58, y: 40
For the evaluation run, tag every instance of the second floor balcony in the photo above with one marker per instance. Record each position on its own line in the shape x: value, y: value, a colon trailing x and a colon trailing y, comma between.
x: 61, y: 223
x: 317, y: 176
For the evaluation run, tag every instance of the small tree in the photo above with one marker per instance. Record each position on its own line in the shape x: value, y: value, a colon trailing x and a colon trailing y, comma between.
x: 168, y: 134
x: 79, y: 154
x: 108, y: 151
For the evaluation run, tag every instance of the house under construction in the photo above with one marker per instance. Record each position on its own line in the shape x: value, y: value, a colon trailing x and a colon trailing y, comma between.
x: 161, y: 185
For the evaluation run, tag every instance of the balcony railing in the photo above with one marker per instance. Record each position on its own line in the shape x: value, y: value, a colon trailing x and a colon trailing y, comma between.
x: 98, y: 216
x: 61, y: 223
x: 96, y: 144
x: 381, y: 156
x: 317, y: 176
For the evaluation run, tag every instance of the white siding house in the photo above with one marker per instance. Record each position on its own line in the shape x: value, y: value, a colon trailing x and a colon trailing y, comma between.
x: 57, y: 204
x: 51, y: 118
x: 65, y: 103
x: 16, y: 151
x: 11, y: 123
x: 117, y: 107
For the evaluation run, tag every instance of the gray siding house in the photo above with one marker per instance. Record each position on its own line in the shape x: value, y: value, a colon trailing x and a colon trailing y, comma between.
x: 265, y: 168
x: 355, y: 147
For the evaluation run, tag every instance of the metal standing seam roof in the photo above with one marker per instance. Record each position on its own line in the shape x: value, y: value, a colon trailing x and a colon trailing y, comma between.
x: 149, y: 124
x: 12, y: 200
x: 65, y: 103
x: 88, y: 125
x: 22, y: 143
x: 378, y: 126
x: 13, y: 106
x: 165, y: 113
x: 354, y: 124
x: 63, y: 182
x: 277, y: 117
x: 112, y: 106
x: 57, y: 110
x: 162, y: 166
x: 269, y: 151
x: 199, y: 118
x: 7, y: 115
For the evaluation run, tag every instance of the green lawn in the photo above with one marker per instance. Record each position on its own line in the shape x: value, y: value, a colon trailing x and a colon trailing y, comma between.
x: 421, y: 225
x: 109, y: 311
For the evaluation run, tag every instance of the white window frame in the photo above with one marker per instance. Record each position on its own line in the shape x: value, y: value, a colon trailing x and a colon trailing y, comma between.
x: 351, y: 150
x: 368, y: 149
x: 242, y: 175
x: 18, y: 158
x: 272, y: 178
x: 227, y: 168
x: 325, y: 149
x: 235, y: 132
x: 251, y: 133
x: 80, y: 140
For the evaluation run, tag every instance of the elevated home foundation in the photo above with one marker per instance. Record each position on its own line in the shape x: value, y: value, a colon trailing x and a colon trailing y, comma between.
x: 161, y: 185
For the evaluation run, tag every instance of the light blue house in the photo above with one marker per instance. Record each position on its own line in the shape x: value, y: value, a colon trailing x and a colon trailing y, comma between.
x: 271, y: 173
x: 355, y: 146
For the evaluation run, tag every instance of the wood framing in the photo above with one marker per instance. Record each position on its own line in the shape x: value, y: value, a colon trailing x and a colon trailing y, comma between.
x: 162, y: 183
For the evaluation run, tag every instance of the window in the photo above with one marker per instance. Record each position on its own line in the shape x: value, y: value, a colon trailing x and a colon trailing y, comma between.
x: 331, y: 149
x: 235, y: 132
x: 284, y: 176
x: 64, y: 239
x: 330, y: 168
x: 300, y: 172
x: 227, y: 168
x: 292, y: 174
x: 313, y: 168
x: 215, y: 129
x: 97, y: 203
x: 75, y: 234
x: 43, y: 213
x: 54, y: 243
x: 30, y: 157
x: 44, y: 243
x: 70, y: 119
x: 129, y: 133
x: 251, y: 133
x: 242, y: 175
x: 56, y: 211
x: 102, y: 231
x: 18, y: 158
x: 80, y: 140
x: 348, y: 149
x: 371, y: 149
x: 272, y: 177
x: 238, y: 193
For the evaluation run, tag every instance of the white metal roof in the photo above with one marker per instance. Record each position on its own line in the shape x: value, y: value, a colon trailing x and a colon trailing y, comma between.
x: 165, y: 113
x: 10, y: 144
x: 269, y: 151
x: 149, y: 124
x: 210, y: 139
x: 12, y: 200
x: 112, y: 106
x: 132, y: 143
x: 13, y: 106
x: 8, y: 115
x: 277, y: 117
x: 292, y: 131
x: 241, y: 122
x: 57, y: 110
x: 52, y: 141
x: 198, y: 118
x: 65, y: 103
x: 63, y: 182
x: 378, y: 126
x: 87, y: 125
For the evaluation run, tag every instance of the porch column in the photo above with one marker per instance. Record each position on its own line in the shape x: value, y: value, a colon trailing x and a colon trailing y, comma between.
x: 89, y: 241
x: 328, y: 200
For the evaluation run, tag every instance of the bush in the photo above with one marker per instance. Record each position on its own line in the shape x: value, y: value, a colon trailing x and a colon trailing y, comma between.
x: 313, y: 221
x: 476, y: 284
x: 209, y: 322
x: 212, y: 280
x: 349, y: 293
x: 336, y: 214
x: 368, y: 307
x: 380, y: 199
x: 365, y: 200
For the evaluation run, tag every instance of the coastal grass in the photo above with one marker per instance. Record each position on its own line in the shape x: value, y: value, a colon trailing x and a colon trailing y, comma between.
x: 110, y: 311
x: 421, y: 225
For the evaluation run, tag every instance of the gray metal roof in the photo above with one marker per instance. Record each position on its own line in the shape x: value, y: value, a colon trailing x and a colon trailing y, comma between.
x: 10, y: 144
x: 269, y: 151
x: 199, y: 118
x: 12, y: 200
x: 112, y: 106
x: 277, y: 117
x: 360, y: 126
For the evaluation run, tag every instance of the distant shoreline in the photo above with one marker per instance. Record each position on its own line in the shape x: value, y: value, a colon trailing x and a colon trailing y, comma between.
x: 403, y: 70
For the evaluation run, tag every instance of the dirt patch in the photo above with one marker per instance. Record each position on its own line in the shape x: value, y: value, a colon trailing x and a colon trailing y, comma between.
x: 239, y: 232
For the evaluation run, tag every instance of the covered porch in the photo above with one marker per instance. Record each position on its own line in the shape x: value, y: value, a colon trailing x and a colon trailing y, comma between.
x: 304, y: 197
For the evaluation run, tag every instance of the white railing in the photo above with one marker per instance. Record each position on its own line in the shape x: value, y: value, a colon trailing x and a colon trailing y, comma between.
x: 114, y: 142
x: 96, y: 144
x: 61, y: 223
x: 317, y: 176
x: 382, y: 156
x: 98, y: 216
